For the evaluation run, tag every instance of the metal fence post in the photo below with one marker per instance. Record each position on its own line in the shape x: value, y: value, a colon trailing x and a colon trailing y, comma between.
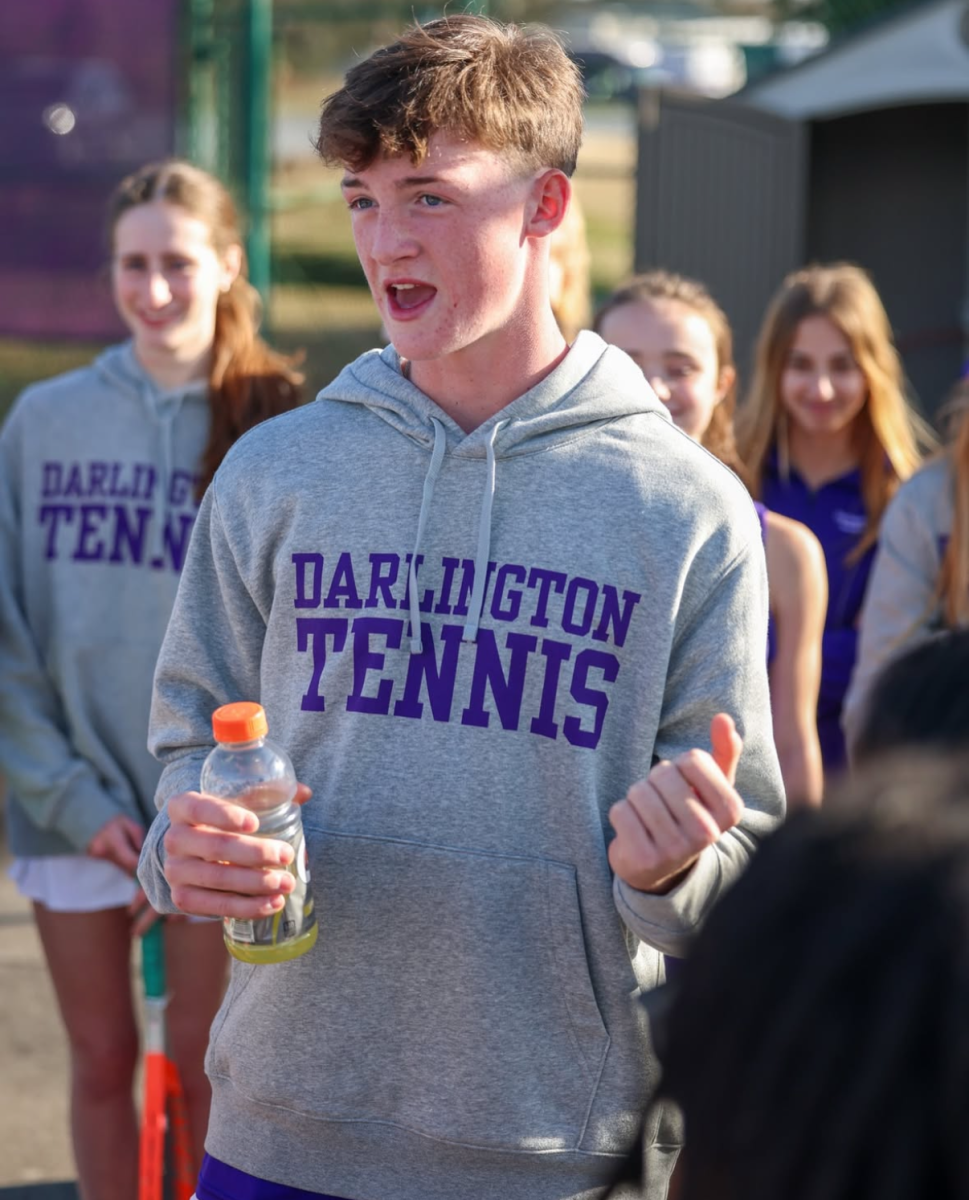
x: 197, y: 133
x: 257, y: 151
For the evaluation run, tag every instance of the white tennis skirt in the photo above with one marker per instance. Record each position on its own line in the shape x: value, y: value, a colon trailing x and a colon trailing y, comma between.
x: 77, y: 883
x: 73, y: 882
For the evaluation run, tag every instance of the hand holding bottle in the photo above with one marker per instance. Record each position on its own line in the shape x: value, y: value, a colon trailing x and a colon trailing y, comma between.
x: 216, y: 865
x: 242, y: 836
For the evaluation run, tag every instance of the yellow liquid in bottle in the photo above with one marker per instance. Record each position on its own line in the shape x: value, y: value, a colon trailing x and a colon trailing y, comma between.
x: 274, y: 954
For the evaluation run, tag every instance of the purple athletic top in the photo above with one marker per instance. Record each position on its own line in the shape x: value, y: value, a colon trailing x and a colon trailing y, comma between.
x: 219, y: 1181
x: 771, y: 633
x: 835, y: 514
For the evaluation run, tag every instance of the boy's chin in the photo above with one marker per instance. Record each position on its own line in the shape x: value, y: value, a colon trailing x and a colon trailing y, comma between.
x: 416, y: 350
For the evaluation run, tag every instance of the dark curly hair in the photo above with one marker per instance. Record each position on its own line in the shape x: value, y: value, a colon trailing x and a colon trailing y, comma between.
x: 818, y: 1044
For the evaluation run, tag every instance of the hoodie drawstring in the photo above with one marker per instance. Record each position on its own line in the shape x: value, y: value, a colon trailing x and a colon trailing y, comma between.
x: 484, y: 538
x: 166, y: 420
x: 431, y: 478
x: 484, y: 542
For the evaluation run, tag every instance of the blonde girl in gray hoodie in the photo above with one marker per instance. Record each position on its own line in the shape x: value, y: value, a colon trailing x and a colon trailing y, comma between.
x: 101, y: 473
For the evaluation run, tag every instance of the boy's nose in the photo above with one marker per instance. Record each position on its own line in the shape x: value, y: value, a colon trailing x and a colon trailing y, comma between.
x: 391, y: 242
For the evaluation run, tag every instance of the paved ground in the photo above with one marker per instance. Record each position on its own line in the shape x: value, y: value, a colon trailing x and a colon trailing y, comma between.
x: 35, y: 1150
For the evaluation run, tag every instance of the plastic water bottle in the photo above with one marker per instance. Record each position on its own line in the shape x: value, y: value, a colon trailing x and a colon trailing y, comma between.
x: 250, y: 770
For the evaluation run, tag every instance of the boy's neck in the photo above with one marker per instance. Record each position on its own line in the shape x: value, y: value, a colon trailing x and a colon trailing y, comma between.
x: 480, y: 380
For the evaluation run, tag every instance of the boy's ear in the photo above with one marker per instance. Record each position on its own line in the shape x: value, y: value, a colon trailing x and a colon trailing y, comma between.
x: 550, y: 197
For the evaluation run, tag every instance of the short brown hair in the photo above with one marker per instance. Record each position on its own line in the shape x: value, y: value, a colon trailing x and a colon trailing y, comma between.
x: 512, y: 88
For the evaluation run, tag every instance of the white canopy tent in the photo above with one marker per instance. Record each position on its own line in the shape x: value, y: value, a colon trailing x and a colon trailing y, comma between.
x: 919, y: 56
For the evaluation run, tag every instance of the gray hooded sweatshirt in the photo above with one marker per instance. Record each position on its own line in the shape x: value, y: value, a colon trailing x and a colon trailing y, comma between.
x: 901, y: 607
x: 97, y: 499
x: 589, y: 591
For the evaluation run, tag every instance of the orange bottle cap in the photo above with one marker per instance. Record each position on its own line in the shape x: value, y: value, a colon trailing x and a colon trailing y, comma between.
x: 241, y: 722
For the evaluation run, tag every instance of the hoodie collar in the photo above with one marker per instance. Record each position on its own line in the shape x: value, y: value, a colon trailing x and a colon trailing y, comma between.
x: 593, y: 383
x: 120, y: 367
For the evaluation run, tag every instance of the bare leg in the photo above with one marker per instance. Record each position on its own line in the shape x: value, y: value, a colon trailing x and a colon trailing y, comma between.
x: 197, y: 966
x: 88, y: 955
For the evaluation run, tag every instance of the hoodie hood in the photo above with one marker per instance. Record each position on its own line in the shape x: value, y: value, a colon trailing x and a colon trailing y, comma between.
x: 119, y: 367
x: 593, y: 384
x: 575, y: 395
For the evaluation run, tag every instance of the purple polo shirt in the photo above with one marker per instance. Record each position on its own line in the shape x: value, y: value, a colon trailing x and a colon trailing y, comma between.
x: 219, y: 1181
x: 835, y: 514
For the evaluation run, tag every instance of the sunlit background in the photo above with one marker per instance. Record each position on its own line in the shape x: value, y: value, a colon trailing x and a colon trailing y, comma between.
x: 92, y: 88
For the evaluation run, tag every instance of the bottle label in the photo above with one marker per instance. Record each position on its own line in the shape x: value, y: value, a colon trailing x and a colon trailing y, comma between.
x: 240, y: 931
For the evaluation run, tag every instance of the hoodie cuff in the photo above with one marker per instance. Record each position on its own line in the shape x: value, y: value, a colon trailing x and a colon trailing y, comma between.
x: 670, y: 921
x: 184, y: 775
x: 151, y: 866
x: 85, y: 810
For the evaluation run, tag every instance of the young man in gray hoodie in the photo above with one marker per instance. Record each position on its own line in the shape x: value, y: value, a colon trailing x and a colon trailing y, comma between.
x: 482, y: 586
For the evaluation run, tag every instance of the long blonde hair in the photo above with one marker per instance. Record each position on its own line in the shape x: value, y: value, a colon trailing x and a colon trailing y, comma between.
x: 248, y: 381
x: 889, y: 434
x: 952, y: 586
x: 718, y: 437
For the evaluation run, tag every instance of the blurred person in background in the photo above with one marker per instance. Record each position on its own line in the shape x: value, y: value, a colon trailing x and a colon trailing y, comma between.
x: 826, y: 435
x: 678, y: 335
x: 817, y: 1039
x: 919, y: 698
x: 920, y: 582
x: 101, y: 473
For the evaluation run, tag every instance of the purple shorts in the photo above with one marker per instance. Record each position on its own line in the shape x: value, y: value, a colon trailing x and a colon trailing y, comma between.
x: 219, y: 1181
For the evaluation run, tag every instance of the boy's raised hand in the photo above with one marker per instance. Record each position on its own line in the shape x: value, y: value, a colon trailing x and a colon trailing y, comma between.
x: 669, y: 818
x: 216, y: 865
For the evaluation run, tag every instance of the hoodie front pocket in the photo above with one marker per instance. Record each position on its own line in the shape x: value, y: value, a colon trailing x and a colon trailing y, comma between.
x: 448, y: 994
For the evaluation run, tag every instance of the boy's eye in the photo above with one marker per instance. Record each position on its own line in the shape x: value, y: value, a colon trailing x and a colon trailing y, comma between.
x: 431, y: 201
x: 359, y: 203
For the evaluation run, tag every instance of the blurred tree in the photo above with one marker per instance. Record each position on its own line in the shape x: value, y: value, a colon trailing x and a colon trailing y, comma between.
x: 839, y: 16
x: 315, y: 35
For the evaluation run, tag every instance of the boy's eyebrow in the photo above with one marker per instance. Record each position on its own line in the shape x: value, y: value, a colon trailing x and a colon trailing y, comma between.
x: 352, y: 181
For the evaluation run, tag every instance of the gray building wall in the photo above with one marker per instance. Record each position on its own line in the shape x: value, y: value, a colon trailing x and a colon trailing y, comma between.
x: 890, y: 190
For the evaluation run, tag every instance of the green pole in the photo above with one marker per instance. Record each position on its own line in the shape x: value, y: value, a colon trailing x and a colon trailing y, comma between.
x: 259, y: 33
x: 196, y: 135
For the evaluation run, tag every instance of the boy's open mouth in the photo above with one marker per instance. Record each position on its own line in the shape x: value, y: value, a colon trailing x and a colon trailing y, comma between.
x: 409, y: 298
